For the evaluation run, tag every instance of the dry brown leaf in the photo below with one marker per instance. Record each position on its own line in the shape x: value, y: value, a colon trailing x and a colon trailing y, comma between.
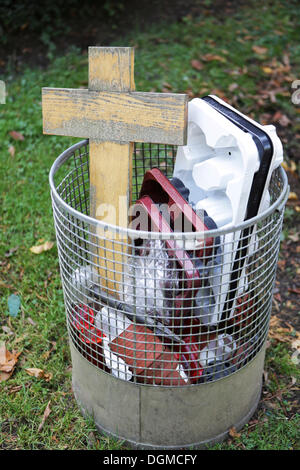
x: 15, y: 388
x: 48, y: 376
x: 196, y: 64
x: 45, y: 416
x: 38, y: 373
x: 294, y: 237
x: 16, y: 135
x: 259, y: 50
x: 293, y: 196
x: 267, y: 70
x: 5, y: 376
x: 296, y: 344
x: 40, y: 248
x: 46, y: 354
x: 233, y: 433
x: 210, y: 57
x: 8, y: 362
x: 281, y: 263
x: 167, y: 85
x: 293, y: 166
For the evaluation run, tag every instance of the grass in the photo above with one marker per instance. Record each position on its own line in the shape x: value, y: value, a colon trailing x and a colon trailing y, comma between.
x: 163, y: 62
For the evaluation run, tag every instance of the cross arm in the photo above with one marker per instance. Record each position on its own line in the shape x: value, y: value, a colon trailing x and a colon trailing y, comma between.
x: 112, y: 116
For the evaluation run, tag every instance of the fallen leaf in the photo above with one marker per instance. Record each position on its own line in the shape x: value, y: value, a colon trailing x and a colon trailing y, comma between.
x: 40, y: 248
x: 233, y: 433
x: 293, y: 196
x: 46, y: 354
x: 48, y: 376
x: 12, y: 150
x: 8, y: 362
x: 259, y: 50
x: 16, y: 135
x: 281, y: 263
x: 14, y: 304
x: 292, y: 168
x: 294, y: 237
x: 267, y: 70
x: 14, y: 389
x: 190, y: 93
x: 211, y: 57
x: 45, y: 416
x: 296, y: 344
x: 34, y: 372
x: 196, y: 64
x: 167, y: 85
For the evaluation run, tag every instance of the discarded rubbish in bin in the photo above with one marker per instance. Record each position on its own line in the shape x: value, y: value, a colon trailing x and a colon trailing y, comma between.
x: 227, y: 165
x: 167, y: 325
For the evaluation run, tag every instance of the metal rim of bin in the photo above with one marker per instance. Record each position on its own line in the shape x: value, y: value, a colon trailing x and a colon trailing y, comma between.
x: 94, y: 385
x: 64, y: 156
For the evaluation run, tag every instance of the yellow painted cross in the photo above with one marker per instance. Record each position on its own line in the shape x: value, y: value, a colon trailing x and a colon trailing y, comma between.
x: 113, y: 116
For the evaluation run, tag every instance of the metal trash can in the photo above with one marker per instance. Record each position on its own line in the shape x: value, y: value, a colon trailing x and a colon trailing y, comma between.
x: 156, y: 361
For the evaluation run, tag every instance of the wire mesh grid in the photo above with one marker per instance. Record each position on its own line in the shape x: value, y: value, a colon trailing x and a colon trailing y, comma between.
x: 157, y: 308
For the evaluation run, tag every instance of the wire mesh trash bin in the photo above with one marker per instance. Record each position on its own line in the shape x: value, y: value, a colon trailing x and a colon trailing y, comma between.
x: 159, y: 358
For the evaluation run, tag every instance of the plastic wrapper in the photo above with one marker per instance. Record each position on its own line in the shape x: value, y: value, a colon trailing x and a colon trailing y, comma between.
x: 151, y: 281
x: 112, y: 323
x: 221, y: 348
x: 81, y: 280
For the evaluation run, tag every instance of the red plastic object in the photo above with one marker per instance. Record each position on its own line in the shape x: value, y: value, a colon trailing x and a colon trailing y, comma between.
x: 188, y: 355
x: 83, y: 320
x: 183, y: 218
x: 87, y: 338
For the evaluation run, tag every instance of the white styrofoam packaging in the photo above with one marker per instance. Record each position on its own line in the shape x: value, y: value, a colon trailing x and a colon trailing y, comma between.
x: 218, y: 165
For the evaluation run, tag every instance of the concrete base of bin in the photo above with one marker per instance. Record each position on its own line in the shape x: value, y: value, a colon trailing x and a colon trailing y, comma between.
x: 153, y: 417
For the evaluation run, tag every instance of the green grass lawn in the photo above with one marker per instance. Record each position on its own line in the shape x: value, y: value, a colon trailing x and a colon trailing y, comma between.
x: 229, y: 66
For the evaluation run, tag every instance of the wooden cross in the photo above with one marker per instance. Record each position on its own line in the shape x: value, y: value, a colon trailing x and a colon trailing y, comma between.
x: 113, y: 116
